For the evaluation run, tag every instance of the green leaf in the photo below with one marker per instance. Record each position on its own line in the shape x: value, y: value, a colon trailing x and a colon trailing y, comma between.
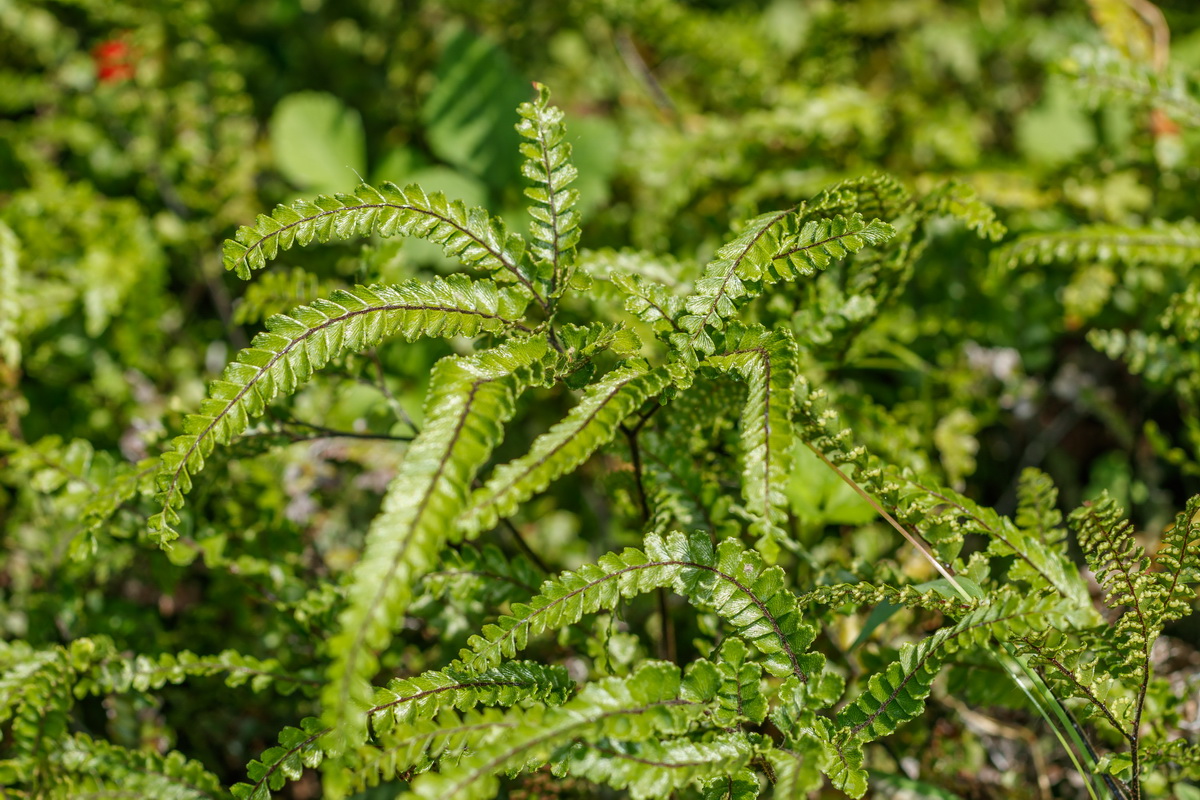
x: 317, y: 142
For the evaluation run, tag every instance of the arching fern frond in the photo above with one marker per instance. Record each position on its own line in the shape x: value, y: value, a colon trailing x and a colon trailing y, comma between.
x: 295, y: 346
x: 658, y: 768
x: 142, y: 673
x: 766, y: 361
x: 1178, y: 562
x: 897, y: 694
x: 650, y: 704
x: 649, y: 300
x: 469, y: 401
x: 773, y: 247
x: 731, y: 581
x: 590, y: 425
x: 469, y: 235
x: 1161, y: 244
x: 277, y: 293
x: 555, y: 225
x: 960, y: 200
x: 407, y: 700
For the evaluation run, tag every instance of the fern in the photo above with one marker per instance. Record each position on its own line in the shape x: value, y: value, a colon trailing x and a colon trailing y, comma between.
x: 1160, y: 244
x: 654, y: 768
x: 1106, y: 75
x: 468, y: 402
x: 731, y: 581
x: 651, y: 703
x: 589, y: 426
x: 297, y: 345
x: 555, y: 225
x: 767, y: 363
x: 469, y: 235
x: 770, y: 249
x: 96, y: 766
x: 897, y: 694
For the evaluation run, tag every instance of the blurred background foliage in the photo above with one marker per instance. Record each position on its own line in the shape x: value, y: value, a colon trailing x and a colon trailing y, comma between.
x: 135, y: 136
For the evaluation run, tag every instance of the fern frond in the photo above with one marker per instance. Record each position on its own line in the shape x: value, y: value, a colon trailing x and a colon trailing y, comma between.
x: 1160, y: 244
x: 649, y: 300
x: 659, y: 768
x: 743, y: 785
x: 407, y: 700
x: 740, y: 697
x: 766, y: 361
x: 276, y: 293
x: 798, y: 768
x: 469, y: 235
x: 89, y: 765
x: 731, y: 581
x: 414, y: 748
x: 897, y: 694
x: 555, y: 225
x: 1078, y: 671
x: 650, y: 704
x: 770, y: 249
x: 1106, y: 75
x: 1122, y: 570
x: 298, y: 749
x: 589, y: 426
x: 483, y: 575
x: 295, y: 346
x: 876, y: 195
x: 469, y: 401
x: 143, y: 673
x: 1178, y: 560
x: 960, y: 200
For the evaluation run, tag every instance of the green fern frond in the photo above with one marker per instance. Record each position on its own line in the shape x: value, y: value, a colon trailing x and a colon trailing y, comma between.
x: 731, y: 581
x: 469, y: 400
x: 1079, y: 671
x: 1122, y: 570
x: 298, y: 749
x: 295, y: 346
x: 771, y: 248
x: 650, y: 301
x: 86, y: 766
x: 740, y: 697
x: 650, y: 704
x: 960, y: 200
x: 1178, y: 562
x: 766, y: 361
x: 876, y: 195
x: 1107, y: 75
x: 743, y: 785
x: 277, y: 293
x: 142, y: 673
x: 407, y: 700
x: 483, y: 575
x: 589, y: 426
x: 798, y: 768
x: 897, y: 694
x: 470, y: 236
x: 1160, y: 244
x: 412, y: 749
x: 658, y: 768
x: 555, y: 225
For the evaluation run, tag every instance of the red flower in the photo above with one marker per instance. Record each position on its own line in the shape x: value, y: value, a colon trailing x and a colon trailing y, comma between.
x: 114, y: 61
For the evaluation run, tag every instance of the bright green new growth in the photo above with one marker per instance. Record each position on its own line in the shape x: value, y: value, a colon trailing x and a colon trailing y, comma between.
x: 713, y: 395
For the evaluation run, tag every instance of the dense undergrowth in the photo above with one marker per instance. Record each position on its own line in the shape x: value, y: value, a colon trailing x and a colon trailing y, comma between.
x: 801, y: 403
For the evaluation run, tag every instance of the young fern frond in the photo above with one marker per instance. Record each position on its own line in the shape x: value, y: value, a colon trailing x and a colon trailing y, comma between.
x: 652, y: 703
x: 766, y: 361
x: 589, y: 426
x: 897, y: 694
x: 470, y: 236
x: 731, y: 581
x: 657, y: 768
x: 555, y: 225
x: 469, y: 400
x: 295, y: 346
x: 1175, y: 245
